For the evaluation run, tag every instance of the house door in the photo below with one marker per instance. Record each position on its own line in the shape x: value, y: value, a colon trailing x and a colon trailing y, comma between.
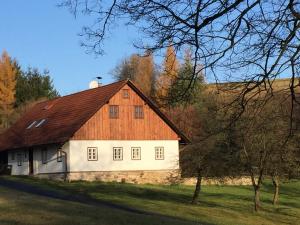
x: 30, y: 158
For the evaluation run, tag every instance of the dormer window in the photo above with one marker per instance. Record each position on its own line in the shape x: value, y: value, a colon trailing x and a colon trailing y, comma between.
x: 40, y: 123
x: 31, y: 125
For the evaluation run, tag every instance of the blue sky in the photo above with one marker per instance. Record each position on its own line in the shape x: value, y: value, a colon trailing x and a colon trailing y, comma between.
x: 40, y: 34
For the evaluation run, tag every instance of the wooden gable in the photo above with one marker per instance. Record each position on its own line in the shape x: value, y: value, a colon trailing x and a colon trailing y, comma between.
x: 126, y: 127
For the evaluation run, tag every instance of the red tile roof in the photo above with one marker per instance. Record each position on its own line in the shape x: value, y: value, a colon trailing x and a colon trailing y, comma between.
x: 64, y: 116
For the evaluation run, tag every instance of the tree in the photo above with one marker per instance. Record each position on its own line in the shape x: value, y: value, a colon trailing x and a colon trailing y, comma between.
x: 265, y: 146
x: 211, y: 153
x: 140, y: 69
x: 167, y: 77
x: 7, y: 88
x: 33, y: 85
x: 178, y: 93
x: 249, y: 41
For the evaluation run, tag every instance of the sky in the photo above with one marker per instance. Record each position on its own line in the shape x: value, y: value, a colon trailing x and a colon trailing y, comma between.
x: 39, y: 34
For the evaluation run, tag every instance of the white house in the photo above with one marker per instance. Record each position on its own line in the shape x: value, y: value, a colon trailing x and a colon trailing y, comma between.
x: 110, y: 133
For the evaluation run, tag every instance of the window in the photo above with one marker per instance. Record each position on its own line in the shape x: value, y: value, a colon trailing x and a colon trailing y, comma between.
x: 25, y: 156
x: 114, y: 111
x: 125, y: 93
x: 40, y: 123
x: 31, y: 125
x: 19, y: 159
x: 118, y: 153
x: 59, y: 155
x: 44, y: 155
x: 92, y: 154
x: 138, y: 112
x: 12, y: 156
x: 136, y: 153
x: 159, y: 153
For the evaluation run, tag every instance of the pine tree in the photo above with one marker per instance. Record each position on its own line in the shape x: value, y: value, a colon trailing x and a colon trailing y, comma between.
x: 33, y: 85
x: 7, y: 88
x: 182, y: 90
x: 168, y: 75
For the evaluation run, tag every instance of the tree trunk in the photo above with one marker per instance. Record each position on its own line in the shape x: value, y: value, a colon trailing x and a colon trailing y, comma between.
x: 198, y: 187
x: 256, y: 198
x: 276, y: 189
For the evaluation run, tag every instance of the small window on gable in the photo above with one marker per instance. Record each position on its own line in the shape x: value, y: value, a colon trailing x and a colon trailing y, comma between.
x: 159, y: 153
x: 92, y: 153
x: 114, y: 111
x: 138, y: 112
x: 40, y: 123
x: 136, y: 153
x: 19, y: 159
x: 59, y: 155
x: 118, y: 153
x: 31, y: 125
x: 44, y: 155
x: 125, y: 93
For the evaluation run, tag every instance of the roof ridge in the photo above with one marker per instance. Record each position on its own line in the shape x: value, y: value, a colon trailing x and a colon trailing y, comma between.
x: 79, y: 92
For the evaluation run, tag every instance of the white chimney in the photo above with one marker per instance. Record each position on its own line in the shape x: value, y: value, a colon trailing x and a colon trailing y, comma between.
x: 94, y: 84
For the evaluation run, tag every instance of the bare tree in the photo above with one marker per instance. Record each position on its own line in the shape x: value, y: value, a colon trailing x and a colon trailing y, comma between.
x: 264, y: 148
x: 250, y: 41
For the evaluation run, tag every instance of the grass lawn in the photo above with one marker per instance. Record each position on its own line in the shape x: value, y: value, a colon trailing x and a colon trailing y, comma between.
x: 218, y: 204
x: 19, y: 208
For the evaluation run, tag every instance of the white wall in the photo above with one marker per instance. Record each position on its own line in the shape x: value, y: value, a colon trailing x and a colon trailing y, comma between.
x: 19, y: 170
x: 52, y: 165
x: 78, y: 155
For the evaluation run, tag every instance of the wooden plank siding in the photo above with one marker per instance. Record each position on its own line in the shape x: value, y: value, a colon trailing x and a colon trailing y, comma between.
x: 126, y: 127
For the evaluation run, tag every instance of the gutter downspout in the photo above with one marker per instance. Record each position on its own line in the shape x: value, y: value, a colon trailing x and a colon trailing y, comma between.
x: 66, y: 165
x: 66, y: 162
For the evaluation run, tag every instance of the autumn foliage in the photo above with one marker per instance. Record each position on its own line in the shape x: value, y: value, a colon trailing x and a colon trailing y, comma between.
x: 7, y: 88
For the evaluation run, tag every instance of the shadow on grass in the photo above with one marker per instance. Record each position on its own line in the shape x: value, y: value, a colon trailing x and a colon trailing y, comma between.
x: 142, y: 194
x: 35, y: 210
x: 228, y: 199
x: 85, y: 199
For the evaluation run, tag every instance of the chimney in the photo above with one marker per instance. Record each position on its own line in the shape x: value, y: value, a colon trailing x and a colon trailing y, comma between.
x: 95, y: 83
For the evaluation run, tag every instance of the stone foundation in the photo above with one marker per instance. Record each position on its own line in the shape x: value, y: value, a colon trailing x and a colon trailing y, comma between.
x: 215, y: 181
x: 136, y: 177
x: 51, y: 176
x: 144, y: 177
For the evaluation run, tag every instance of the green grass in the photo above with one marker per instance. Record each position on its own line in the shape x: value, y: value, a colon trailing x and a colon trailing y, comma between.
x: 218, y: 204
x: 19, y: 208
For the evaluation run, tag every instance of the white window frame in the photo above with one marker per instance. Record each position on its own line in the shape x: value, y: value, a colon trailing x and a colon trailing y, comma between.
x: 136, y: 153
x: 44, y: 154
x: 92, y: 153
x: 159, y: 153
x: 117, y: 153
